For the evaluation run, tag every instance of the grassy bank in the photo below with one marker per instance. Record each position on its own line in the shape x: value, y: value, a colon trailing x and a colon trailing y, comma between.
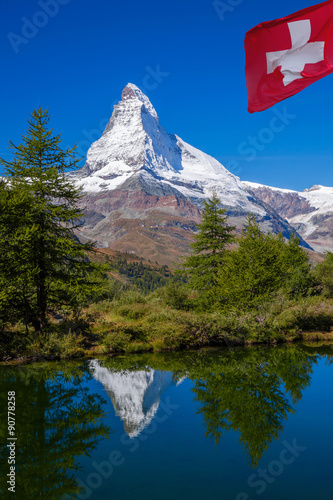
x: 252, y: 289
x: 139, y: 323
x: 133, y: 322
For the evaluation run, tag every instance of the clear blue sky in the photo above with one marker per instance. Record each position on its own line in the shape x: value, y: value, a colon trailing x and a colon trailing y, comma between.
x: 77, y: 62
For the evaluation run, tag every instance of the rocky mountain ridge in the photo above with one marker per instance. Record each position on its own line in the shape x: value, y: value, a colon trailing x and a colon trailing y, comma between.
x: 310, y: 211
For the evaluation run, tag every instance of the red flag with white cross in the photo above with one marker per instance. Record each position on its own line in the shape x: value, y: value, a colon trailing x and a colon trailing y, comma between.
x: 286, y: 55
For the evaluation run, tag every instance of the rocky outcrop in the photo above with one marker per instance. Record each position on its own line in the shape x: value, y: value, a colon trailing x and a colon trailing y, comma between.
x: 309, y: 212
x: 286, y: 204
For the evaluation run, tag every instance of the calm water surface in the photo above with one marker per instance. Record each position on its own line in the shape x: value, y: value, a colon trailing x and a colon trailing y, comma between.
x: 232, y: 424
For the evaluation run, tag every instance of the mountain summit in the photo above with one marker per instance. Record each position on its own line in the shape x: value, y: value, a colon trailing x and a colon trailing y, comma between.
x: 145, y: 188
x: 134, y: 144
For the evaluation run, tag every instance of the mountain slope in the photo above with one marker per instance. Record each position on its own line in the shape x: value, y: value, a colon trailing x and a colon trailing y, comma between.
x: 145, y: 188
x: 310, y: 212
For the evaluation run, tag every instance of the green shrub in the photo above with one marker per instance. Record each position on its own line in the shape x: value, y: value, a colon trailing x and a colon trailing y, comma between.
x: 135, y: 311
x: 102, y: 307
x: 159, y: 345
x: 131, y: 297
x: 138, y: 347
x: 323, y: 272
x: 116, y: 341
x: 177, y: 296
x: 56, y: 346
x: 312, y: 313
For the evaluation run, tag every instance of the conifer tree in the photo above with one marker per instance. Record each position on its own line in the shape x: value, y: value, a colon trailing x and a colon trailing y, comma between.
x: 253, y: 269
x: 323, y: 273
x: 262, y: 266
x: 209, y: 248
x: 42, y: 264
x: 297, y: 277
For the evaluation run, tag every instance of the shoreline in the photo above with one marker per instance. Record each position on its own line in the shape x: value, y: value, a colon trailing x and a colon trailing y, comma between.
x: 314, y: 337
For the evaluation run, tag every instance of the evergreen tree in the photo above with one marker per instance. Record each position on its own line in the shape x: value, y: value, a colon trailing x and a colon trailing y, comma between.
x: 42, y: 264
x: 209, y: 249
x: 323, y: 273
x: 261, y: 266
x: 253, y: 270
x: 297, y: 277
x: 14, y: 266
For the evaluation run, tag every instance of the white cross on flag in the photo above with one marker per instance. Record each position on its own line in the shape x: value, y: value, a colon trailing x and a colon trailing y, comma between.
x: 286, y: 55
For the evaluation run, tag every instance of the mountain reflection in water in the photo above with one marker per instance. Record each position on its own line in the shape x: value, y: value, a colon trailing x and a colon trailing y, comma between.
x: 251, y: 391
x: 135, y: 395
x: 62, y: 418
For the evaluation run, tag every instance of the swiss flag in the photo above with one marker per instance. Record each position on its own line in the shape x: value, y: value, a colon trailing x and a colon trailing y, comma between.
x: 286, y: 55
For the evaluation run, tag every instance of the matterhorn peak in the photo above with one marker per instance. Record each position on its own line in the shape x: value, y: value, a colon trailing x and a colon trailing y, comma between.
x: 145, y: 187
x: 135, y: 145
x: 131, y: 91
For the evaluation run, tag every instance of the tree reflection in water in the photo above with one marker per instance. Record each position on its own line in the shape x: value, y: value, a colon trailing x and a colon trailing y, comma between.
x: 250, y: 395
x: 251, y: 391
x: 57, y: 421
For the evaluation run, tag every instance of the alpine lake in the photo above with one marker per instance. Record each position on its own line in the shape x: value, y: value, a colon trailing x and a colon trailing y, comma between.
x: 215, y: 424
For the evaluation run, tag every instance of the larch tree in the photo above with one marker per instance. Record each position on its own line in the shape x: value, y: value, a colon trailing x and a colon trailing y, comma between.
x: 43, y: 266
x: 209, y: 248
x: 262, y: 266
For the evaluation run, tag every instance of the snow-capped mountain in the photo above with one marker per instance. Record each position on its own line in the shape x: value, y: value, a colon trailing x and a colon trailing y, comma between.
x: 310, y: 211
x: 135, y: 144
x: 135, y: 395
x: 145, y: 188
